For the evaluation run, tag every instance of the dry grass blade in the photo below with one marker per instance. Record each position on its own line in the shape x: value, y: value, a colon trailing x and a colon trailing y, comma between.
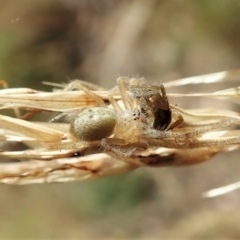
x: 208, y: 78
x: 62, y: 169
x: 221, y: 190
x: 55, y: 101
x: 146, y: 130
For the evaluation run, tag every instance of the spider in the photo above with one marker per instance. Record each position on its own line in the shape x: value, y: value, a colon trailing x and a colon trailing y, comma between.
x: 142, y: 119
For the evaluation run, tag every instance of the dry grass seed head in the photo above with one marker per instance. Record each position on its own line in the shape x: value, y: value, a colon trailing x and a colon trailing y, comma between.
x: 57, y: 157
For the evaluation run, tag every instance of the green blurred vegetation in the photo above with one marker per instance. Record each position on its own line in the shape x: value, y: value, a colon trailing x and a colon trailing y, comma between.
x: 98, y: 41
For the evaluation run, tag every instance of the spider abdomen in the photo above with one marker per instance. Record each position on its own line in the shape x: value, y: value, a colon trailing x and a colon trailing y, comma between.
x: 93, y: 124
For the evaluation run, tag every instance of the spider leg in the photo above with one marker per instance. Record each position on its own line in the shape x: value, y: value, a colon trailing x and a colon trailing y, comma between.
x: 190, y: 132
x: 120, y: 149
x: 115, y: 104
x: 30, y: 113
x: 164, y: 96
x: 213, y: 142
x: 78, y: 84
x: 179, y: 120
x: 123, y: 91
x: 192, y: 137
x: 85, y: 87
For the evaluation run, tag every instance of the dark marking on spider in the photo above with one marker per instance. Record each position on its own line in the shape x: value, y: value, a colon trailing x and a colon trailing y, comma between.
x: 154, y: 104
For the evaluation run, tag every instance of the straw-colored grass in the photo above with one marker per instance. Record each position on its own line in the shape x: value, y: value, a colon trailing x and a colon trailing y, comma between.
x: 55, y: 155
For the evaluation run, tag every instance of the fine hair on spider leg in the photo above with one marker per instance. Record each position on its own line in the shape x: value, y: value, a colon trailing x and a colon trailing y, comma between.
x: 191, y: 132
x: 118, y: 149
x: 188, y: 140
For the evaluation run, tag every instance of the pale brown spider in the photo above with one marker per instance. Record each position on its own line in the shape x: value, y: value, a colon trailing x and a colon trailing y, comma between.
x: 142, y: 119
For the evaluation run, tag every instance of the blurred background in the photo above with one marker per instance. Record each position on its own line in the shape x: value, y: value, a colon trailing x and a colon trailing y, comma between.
x: 98, y: 41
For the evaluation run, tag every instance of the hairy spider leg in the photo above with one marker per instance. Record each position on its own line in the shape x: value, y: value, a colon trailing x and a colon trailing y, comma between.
x: 179, y: 120
x: 118, y: 149
x: 188, y: 138
x: 190, y: 143
x: 121, y: 82
x: 77, y: 84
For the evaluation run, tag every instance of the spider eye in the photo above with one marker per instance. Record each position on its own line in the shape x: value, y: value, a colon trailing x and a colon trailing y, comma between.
x: 93, y: 124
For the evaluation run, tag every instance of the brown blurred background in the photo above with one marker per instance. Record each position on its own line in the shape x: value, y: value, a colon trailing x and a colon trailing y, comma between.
x: 98, y: 41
